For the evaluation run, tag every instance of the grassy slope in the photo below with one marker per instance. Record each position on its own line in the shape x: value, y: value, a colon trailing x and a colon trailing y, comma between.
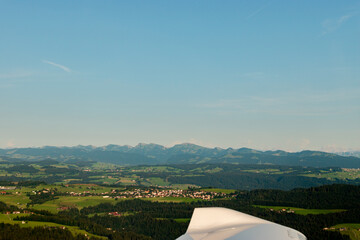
x: 352, y: 229
x: 171, y: 199
x: 302, y: 211
x: 74, y: 230
x: 69, y: 201
x: 218, y: 190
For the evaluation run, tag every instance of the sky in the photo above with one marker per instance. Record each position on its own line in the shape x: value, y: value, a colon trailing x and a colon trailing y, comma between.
x: 260, y: 74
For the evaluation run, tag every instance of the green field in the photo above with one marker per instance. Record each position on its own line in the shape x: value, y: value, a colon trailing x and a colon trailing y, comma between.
x: 344, y: 174
x: 183, y: 186
x: 154, y: 169
x: 182, y: 220
x: 79, y: 188
x: 156, y: 181
x: 102, y: 165
x: 18, y: 197
x: 269, y: 171
x: 302, y: 211
x: 179, y: 220
x: 351, y: 229
x: 74, y: 230
x: 172, y: 199
x: 218, y: 190
x: 16, y: 200
x: 72, y: 201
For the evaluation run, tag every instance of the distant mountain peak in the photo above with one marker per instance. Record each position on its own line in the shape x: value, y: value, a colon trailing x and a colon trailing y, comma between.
x: 187, y: 145
x: 247, y: 150
x: 218, y: 148
x: 141, y: 145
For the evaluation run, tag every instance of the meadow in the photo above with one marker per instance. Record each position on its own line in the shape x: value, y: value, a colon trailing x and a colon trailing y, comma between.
x: 10, y: 218
x: 300, y: 211
x: 350, y: 229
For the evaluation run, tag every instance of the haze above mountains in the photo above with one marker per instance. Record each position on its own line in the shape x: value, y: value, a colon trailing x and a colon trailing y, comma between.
x: 153, y: 154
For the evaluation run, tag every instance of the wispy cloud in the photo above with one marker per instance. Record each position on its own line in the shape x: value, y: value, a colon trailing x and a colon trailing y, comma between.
x: 192, y: 141
x: 66, y: 69
x: 253, y: 75
x: 305, y: 143
x: 15, y: 75
x: 259, y: 75
x: 14, y: 78
x: 334, y: 148
x: 242, y: 103
x: 257, y: 11
x: 295, y: 104
x: 331, y: 25
x: 10, y: 144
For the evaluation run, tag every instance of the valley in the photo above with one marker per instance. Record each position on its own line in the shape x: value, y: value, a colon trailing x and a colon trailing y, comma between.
x: 91, y: 199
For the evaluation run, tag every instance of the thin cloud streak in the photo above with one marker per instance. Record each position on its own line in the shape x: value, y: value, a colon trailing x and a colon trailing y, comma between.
x: 66, y: 69
x: 16, y: 75
x: 315, y: 104
x: 331, y: 25
x: 257, y: 11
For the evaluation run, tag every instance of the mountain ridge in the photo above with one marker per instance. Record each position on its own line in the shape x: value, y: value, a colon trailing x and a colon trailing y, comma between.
x: 152, y: 154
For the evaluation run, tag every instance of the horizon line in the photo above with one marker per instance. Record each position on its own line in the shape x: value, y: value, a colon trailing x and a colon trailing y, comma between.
x: 184, y: 143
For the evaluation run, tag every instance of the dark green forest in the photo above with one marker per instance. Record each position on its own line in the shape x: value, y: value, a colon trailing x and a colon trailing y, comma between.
x: 157, y: 220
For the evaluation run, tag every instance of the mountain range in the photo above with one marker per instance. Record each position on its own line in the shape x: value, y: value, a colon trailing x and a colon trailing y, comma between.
x: 153, y: 154
x: 349, y: 153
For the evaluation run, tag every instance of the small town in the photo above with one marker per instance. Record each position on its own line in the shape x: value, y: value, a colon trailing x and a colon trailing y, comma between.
x: 143, y: 193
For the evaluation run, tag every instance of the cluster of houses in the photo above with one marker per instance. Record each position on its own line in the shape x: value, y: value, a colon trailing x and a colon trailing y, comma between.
x: 283, y: 210
x: 153, y: 193
x: 177, y: 193
x: 114, y: 214
x: 43, y: 191
x: 354, y: 172
x: 18, y: 212
x: 7, y: 187
x: 3, y: 188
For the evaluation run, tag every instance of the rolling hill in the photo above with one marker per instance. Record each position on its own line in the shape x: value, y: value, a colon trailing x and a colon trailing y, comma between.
x: 153, y: 154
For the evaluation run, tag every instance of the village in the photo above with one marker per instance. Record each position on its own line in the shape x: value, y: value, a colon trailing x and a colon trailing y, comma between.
x: 154, y: 193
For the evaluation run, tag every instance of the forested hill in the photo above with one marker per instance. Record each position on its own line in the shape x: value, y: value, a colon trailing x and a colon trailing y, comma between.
x: 152, y: 154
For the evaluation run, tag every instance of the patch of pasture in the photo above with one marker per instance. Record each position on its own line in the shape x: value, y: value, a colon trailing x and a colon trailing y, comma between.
x: 79, y: 202
x: 4, y: 218
x: 172, y: 199
x: 350, y: 229
x: 301, y: 211
x: 218, y: 190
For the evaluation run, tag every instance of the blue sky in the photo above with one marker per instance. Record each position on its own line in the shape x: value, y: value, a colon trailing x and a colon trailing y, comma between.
x: 260, y: 74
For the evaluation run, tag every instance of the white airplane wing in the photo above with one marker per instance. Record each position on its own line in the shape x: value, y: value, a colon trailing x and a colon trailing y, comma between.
x: 216, y: 223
